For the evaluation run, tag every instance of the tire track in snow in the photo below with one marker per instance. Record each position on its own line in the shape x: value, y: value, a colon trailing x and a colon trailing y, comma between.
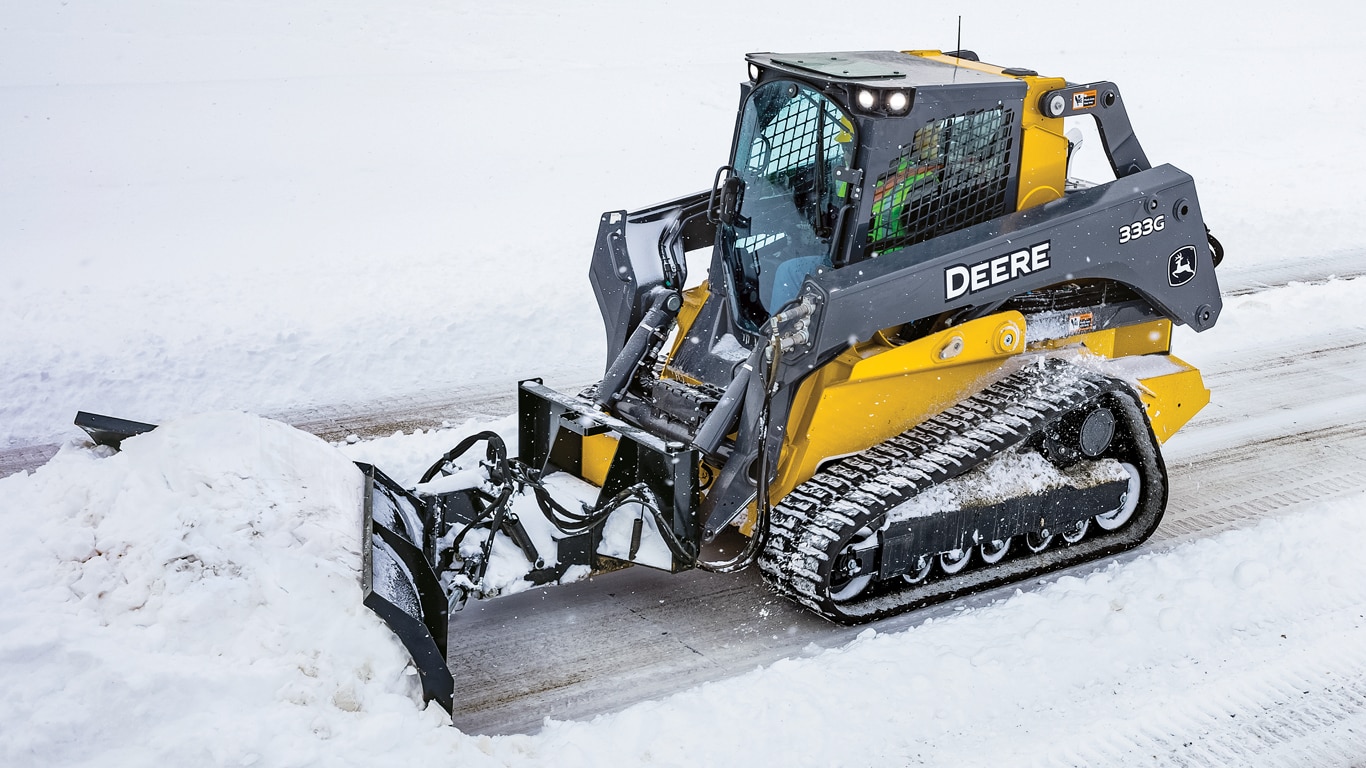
x: 1213, y: 493
x: 1234, y: 281
x: 1309, y: 710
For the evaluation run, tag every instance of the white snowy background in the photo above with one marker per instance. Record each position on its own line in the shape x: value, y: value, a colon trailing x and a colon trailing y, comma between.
x: 211, y: 207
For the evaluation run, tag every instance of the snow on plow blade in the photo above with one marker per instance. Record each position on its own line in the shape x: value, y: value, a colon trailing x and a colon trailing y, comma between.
x: 400, y: 584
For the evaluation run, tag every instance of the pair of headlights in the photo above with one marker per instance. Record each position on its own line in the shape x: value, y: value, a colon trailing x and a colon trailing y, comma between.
x: 895, y: 102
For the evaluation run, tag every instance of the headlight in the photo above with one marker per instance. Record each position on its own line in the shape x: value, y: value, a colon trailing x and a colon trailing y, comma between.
x: 866, y: 99
x: 897, y: 102
x: 754, y: 73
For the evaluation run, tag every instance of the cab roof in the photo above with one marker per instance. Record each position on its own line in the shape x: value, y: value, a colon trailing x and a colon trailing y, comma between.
x: 875, y: 68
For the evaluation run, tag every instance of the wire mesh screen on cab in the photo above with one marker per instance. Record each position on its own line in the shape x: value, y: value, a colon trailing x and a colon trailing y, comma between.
x: 953, y: 174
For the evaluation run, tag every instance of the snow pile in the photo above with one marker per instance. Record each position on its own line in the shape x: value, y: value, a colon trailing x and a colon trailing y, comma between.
x: 193, y: 599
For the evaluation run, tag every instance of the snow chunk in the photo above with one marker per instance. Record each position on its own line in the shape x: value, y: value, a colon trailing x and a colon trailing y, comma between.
x: 1008, y: 475
x: 730, y: 348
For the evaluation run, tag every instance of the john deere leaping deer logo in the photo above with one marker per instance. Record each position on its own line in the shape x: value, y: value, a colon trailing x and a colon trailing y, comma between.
x: 1181, y: 266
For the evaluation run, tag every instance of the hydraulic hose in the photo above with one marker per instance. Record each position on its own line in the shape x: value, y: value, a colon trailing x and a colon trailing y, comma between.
x: 511, y: 475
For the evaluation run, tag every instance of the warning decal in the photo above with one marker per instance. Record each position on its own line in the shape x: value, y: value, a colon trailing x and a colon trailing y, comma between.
x: 1083, y: 99
x: 1081, y: 323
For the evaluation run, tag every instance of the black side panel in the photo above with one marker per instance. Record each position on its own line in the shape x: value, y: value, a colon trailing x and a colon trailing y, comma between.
x: 400, y: 585
x: 1129, y: 232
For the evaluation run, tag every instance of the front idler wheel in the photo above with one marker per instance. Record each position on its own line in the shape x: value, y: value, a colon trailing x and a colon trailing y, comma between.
x: 1128, y: 503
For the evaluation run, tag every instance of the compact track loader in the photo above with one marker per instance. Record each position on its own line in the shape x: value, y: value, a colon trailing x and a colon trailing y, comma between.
x: 923, y: 361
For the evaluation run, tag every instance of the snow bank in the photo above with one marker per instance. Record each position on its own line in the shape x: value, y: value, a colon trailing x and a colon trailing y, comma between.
x: 195, y: 599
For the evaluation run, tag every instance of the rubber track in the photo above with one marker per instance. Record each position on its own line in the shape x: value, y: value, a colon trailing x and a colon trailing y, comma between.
x: 811, y: 525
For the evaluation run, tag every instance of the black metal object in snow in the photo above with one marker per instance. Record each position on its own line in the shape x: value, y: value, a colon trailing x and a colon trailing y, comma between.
x: 108, y: 430
x: 399, y: 583
x: 551, y: 430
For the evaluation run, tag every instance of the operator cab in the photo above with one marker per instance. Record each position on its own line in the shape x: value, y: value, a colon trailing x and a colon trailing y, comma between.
x: 839, y: 157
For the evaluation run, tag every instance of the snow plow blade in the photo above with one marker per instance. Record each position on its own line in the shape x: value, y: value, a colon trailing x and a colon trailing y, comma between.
x: 399, y: 583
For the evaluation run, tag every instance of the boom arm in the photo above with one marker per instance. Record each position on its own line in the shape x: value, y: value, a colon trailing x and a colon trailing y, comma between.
x: 1101, y: 101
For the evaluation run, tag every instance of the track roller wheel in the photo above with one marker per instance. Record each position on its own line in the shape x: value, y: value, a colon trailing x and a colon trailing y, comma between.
x: 1076, y: 532
x: 955, y: 560
x: 993, y: 552
x: 1038, y: 541
x: 920, y: 572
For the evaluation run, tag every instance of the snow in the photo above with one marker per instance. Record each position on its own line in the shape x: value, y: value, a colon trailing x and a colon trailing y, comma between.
x: 730, y: 348
x: 1011, y: 474
x: 212, y: 207
x: 617, y: 534
x: 1088, y: 656
x: 207, y: 570
x: 241, y: 205
x: 1287, y: 316
x: 206, y: 576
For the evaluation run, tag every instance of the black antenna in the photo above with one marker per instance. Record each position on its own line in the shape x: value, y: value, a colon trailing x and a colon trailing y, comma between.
x: 959, y: 50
